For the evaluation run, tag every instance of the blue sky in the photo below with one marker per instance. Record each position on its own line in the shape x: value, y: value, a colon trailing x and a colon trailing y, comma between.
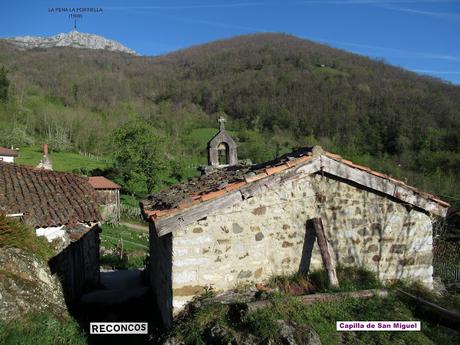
x: 422, y: 36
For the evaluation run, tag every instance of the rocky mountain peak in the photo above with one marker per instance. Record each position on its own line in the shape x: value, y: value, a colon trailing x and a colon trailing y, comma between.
x: 73, y: 39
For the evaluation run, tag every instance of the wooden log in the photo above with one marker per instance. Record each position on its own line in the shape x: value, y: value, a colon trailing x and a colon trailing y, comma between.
x: 167, y: 225
x: 328, y: 259
x: 444, y: 316
x: 316, y: 298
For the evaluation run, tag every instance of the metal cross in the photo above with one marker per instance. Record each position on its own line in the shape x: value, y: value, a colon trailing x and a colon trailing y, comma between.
x: 221, y: 121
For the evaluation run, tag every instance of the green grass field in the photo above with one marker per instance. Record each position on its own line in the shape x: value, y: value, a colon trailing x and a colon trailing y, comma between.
x: 62, y: 161
x: 128, y: 247
x: 133, y: 239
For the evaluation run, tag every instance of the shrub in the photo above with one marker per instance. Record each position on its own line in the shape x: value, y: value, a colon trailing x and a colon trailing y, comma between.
x: 18, y: 235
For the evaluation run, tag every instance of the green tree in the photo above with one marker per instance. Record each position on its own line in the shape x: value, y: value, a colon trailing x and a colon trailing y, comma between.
x: 4, y: 84
x: 12, y: 135
x: 139, y: 154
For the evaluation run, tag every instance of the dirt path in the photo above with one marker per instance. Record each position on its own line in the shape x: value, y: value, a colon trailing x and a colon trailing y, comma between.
x: 136, y: 226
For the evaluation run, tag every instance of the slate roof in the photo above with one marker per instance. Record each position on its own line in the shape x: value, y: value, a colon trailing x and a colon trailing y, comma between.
x: 8, y: 152
x: 100, y: 182
x: 177, y: 198
x: 47, y: 198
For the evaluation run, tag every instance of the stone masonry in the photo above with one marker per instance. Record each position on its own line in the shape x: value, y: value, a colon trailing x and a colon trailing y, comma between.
x: 264, y: 236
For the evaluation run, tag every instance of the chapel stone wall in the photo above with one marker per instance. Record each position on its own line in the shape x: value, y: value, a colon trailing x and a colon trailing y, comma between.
x: 264, y: 236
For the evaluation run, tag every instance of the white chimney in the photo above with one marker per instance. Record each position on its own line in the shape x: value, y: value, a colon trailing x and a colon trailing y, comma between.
x: 45, y: 163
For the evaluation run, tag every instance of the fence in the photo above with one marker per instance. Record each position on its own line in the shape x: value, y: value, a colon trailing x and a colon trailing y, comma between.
x: 447, y: 272
x: 446, y: 260
x: 129, y: 212
x: 94, y: 157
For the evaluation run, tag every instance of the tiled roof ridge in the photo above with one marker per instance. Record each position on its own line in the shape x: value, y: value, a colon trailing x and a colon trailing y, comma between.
x: 278, y: 166
x: 47, y: 198
x: 4, y: 151
x: 44, y: 171
x: 102, y: 182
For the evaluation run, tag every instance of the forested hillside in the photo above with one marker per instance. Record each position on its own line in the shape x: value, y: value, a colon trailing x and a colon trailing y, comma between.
x: 277, y: 91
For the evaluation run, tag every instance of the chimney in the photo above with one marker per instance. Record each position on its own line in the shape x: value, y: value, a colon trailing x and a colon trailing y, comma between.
x: 45, y: 163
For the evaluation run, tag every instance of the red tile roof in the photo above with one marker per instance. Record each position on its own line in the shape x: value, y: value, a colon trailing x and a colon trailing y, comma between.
x: 47, y: 198
x: 8, y: 152
x: 100, y: 182
x: 221, y: 181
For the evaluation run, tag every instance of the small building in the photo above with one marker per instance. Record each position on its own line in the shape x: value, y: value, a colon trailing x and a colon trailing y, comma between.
x: 7, y: 155
x: 63, y: 208
x: 109, y: 197
x: 222, y: 148
x: 239, y: 225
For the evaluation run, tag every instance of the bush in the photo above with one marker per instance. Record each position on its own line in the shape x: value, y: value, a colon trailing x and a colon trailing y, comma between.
x: 18, y: 235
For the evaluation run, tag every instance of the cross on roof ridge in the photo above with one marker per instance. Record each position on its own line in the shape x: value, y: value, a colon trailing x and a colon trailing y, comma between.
x: 221, y: 121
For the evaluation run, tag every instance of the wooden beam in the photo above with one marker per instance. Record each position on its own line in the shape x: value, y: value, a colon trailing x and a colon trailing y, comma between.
x: 447, y: 317
x: 316, y: 298
x: 167, y: 225
x: 326, y: 253
x: 400, y: 192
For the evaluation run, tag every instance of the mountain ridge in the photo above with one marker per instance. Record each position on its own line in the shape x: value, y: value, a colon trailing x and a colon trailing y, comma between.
x: 73, y: 39
x: 265, y: 82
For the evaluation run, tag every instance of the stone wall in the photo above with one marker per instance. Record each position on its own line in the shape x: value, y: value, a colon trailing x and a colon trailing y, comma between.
x: 264, y: 236
x: 77, y: 266
x: 109, y: 200
x: 160, y: 273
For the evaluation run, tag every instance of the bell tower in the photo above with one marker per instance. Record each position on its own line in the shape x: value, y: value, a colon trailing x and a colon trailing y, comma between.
x: 222, y: 148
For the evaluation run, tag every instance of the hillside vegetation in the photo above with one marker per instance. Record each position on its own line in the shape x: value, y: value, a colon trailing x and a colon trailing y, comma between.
x: 277, y: 91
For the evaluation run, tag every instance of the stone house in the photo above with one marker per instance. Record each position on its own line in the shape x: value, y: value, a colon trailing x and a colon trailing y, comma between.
x: 7, y: 155
x: 108, y: 197
x: 63, y: 208
x: 245, y: 224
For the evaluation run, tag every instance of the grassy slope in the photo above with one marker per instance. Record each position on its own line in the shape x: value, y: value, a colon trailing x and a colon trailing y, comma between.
x: 134, y: 240
x: 322, y: 317
x: 41, y: 329
x: 62, y: 161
